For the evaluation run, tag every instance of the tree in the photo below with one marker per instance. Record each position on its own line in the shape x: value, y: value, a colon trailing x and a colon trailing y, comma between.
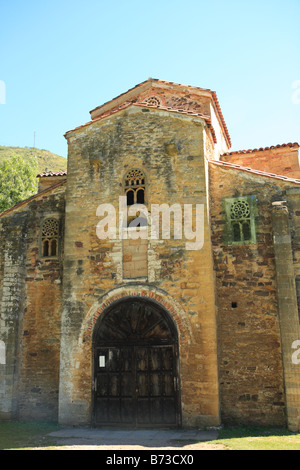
x: 18, y: 180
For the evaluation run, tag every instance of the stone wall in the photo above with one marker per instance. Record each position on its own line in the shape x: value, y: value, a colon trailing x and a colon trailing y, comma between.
x: 30, y: 311
x: 169, y: 148
x: 252, y: 387
x: 287, y: 310
x: 235, y: 305
x: 12, y: 311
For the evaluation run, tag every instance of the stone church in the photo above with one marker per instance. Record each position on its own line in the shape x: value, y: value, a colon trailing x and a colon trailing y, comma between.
x: 106, y: 323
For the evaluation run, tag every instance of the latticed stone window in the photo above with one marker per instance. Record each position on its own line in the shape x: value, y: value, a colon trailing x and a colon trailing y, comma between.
x: 152, y: 101
x: 240, y: 214
x: 50, y: 234
x: 135, y: 187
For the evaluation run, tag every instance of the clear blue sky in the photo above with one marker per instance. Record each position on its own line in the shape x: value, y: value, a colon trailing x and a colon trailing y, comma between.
x: 60, y: 59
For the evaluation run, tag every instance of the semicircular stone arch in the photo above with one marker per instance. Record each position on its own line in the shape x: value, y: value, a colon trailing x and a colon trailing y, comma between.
x: 163, y: 299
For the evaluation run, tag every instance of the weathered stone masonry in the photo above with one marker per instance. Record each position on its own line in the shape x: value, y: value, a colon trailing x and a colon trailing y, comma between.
x: 130, y: 135
x: 233, y: 303
x: 287, y: 308
x: 12, y: 308
x: 30, y: 320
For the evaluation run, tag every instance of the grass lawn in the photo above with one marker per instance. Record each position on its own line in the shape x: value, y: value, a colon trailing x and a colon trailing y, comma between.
x: 20, y: 435
x: 26, y: 435
x: 258, y: 438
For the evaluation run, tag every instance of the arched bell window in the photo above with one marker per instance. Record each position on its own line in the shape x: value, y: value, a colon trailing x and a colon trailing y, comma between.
x: 50, y: 233
x: 135, y: 187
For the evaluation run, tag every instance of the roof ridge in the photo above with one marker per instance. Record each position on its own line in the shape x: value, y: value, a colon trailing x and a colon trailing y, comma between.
x: 214, y: 95
x: 261, y: 149
x: 255, y: 172
x: 157, y: 80
x: 146, y: 105
x: 25, y: 201
x: 52, y: 173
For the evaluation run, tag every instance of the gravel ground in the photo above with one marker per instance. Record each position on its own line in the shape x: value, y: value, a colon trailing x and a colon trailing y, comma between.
x: 113, y: 440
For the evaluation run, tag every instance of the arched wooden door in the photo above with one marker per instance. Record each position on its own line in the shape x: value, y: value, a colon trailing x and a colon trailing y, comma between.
x: 136, y: 380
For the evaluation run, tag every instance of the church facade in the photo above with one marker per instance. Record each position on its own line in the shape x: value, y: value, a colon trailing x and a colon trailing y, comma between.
x: 156, y: 283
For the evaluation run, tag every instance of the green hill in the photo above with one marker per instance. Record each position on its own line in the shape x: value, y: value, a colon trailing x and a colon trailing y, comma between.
x: 47, y: 161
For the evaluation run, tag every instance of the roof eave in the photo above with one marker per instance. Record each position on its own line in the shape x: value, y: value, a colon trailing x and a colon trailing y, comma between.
x: 262, y: 149
x: 31, y: 198
x: 192, y: 114
x: 132, y: 92
x: 252, y: 171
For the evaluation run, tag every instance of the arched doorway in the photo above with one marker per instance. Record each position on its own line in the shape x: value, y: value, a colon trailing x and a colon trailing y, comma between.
x: 136, y: 379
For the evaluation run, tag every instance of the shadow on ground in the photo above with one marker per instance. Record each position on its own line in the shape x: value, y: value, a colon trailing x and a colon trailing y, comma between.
x: 108, y: 439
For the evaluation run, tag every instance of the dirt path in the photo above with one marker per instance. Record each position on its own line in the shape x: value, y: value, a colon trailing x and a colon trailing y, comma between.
x: 114, y: 440
x: 172, y: 447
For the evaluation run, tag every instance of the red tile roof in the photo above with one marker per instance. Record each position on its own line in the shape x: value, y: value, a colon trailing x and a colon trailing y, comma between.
x: 254, y: 172
x: 52, y: 173
x: 172, y: 84
x: 205, y: 117
x: 214, y: 95
x: 241, y: 152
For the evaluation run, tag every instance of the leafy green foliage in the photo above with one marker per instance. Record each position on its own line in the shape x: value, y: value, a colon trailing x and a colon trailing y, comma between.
x: 18, y: 180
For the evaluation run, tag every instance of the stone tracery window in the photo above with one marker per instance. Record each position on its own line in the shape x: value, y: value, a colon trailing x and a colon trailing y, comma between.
x: 135, y: 187
x: 240, y: 221
x: 50, y: 233
x: 240, y: 215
